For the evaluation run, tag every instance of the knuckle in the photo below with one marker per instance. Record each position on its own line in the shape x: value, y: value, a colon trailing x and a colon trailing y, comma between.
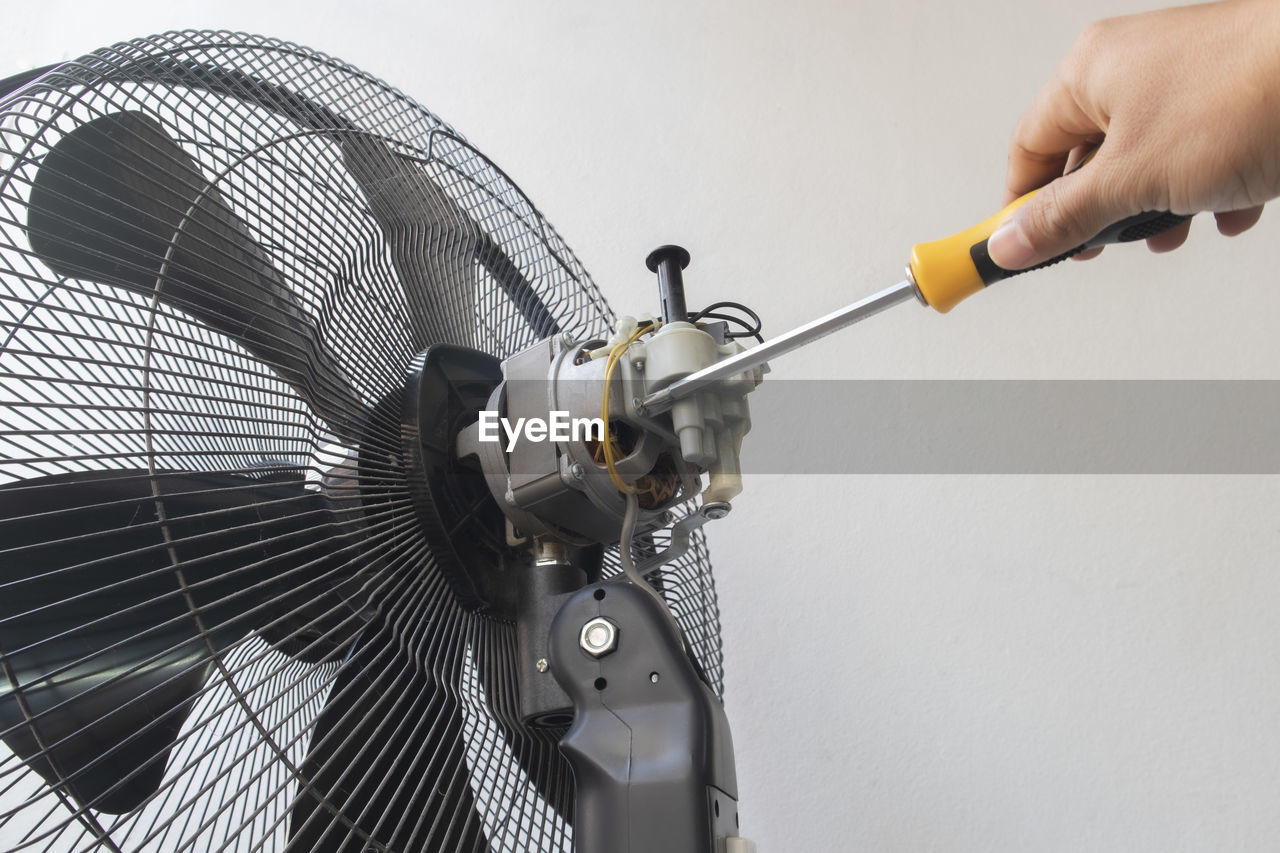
x: 1095, y: 35
x: 1021, y: 147
x: 1091, y: 50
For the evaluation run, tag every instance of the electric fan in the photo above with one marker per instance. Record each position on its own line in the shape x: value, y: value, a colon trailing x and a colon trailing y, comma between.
x: 267, y: 580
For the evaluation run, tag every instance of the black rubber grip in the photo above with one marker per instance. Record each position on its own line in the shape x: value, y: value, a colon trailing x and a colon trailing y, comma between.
x: 1137, y: 227
x: 1144, y: 227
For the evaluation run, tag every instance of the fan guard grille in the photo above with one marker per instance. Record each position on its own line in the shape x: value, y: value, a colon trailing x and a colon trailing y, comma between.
x: 102, y: 379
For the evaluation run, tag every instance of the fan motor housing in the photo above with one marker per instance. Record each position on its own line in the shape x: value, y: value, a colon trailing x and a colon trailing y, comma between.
x: 485, y: 561
x: 558, y: 489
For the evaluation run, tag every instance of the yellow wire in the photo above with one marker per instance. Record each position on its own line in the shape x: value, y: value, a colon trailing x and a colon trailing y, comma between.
x: 615, y: 355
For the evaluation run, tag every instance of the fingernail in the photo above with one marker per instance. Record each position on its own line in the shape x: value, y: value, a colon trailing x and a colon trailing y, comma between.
x: 1008, y: 245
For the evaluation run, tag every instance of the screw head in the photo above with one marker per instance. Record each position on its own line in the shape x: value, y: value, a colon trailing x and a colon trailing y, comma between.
x: 638, y: 364
x: 599, y: 637
x: 577, y: 471
x: 542, y: 664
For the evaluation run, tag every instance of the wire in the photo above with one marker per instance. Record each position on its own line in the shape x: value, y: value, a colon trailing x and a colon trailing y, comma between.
x: 629, y: 517
x: 615, y: 356
x: 750, y: 329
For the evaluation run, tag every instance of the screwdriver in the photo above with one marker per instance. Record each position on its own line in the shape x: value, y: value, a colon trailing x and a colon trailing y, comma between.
x: 940, y: 275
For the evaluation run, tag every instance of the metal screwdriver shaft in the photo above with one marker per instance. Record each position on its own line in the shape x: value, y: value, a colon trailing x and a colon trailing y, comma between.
x: 662, y: 400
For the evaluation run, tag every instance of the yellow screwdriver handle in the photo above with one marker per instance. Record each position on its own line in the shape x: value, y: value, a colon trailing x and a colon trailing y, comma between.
x: 947, y: 271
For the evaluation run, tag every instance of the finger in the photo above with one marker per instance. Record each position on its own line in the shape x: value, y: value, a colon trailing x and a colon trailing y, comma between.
x: 1065, y: 213
x: 1077, y: 155
x: 1088, y: 254
x: 1233, y: 222
x: 1167, y: 241
x: 1053, y: 126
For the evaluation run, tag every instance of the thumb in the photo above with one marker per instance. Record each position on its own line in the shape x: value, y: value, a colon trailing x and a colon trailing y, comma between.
x: 1062, y: 215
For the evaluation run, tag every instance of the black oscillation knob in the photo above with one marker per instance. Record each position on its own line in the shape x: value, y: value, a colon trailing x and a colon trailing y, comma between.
x: 667, y: 262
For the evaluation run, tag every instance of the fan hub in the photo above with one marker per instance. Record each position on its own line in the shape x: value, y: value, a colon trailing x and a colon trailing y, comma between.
x: 446, y: 388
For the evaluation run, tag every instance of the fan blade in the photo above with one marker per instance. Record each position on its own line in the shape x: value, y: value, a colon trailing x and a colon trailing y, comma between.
x: 435, y: 247
x: 433, y: 239
x: 13, y: 83
x: 118, y: 201
x: 388, y: 753
x: 106, y: 734
x: 105, y: 643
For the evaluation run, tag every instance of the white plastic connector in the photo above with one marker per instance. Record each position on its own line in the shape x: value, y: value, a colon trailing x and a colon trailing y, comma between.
x: 677, y: 350
x: 726, y: 473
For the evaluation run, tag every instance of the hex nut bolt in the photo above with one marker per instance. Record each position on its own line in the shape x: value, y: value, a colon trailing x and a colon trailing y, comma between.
x: 599, y: 637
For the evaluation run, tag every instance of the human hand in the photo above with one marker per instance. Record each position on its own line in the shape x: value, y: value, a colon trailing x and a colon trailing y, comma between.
x: 1186, y: 105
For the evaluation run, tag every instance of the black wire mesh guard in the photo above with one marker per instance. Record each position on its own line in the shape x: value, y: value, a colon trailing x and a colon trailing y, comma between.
x: 220, y: 626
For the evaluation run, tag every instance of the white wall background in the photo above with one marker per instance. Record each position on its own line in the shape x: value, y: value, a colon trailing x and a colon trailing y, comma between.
x: 915, y: 663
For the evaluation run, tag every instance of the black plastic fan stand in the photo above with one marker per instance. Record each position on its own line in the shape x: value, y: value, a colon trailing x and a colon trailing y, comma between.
x: 650, y: 747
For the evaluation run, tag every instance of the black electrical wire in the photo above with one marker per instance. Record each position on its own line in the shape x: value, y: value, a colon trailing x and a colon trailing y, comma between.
x: 750, y: 329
